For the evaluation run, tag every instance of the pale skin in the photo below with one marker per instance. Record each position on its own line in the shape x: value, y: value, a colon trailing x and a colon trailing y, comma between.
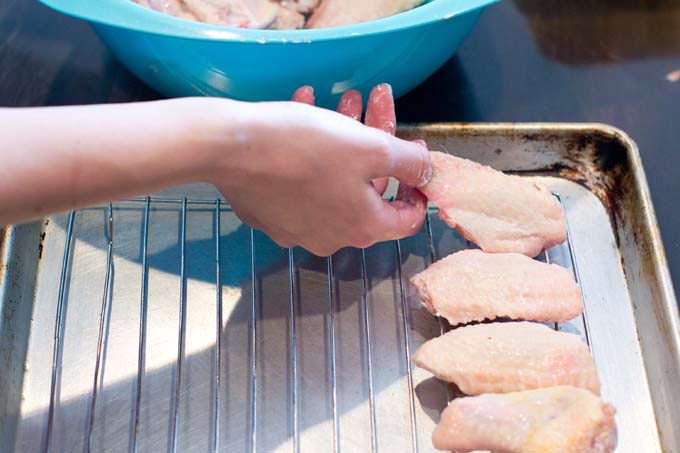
x: 301, y: 174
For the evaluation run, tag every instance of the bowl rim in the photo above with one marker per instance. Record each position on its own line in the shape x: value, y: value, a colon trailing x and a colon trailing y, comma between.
x: 129, y: 15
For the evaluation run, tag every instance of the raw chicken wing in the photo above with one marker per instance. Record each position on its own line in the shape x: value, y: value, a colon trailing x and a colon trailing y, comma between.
x: 475, y: 286
x: 556, y: 420
x: 508, y: 357
x: 235, y: 13
x: 301, y: 6
x: 173, y: 7
x: 498, y: 212
x: 334, y: 13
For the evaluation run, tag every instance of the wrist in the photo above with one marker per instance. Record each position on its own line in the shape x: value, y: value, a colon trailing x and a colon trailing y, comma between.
x: 214, y: 134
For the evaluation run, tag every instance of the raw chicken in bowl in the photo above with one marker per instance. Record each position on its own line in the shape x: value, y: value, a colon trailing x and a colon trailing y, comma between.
x: 237, y: 13
x: 179, y: 56
x: 280, y: 14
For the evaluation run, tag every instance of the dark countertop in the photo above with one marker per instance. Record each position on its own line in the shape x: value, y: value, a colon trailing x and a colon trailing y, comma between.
x: 528, y: 60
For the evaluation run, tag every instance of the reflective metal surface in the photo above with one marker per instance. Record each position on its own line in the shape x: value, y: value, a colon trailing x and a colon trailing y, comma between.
x: 209, y: 337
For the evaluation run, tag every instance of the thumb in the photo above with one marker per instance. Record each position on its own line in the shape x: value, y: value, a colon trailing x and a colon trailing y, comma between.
x: 409, y: 162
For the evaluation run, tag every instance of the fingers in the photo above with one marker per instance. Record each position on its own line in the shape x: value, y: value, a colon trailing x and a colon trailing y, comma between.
x: 351, y: 105
x: 380, y: 112
x: 394, y: 220
x: 403, y: 217
x: 305, y: 95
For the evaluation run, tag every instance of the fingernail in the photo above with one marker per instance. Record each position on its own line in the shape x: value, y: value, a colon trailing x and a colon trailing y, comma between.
x: 427, y: 175
x: 385, y: 85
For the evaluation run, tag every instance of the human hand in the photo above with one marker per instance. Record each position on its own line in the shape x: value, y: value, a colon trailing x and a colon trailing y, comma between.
x: 303, y: 175
x: 380, y: 112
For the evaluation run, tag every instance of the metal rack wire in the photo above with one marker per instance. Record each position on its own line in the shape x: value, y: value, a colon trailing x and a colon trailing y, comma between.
x: 252, y: 436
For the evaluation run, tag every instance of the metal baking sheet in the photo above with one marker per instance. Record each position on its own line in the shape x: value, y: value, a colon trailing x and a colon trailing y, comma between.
x: 178, y: 328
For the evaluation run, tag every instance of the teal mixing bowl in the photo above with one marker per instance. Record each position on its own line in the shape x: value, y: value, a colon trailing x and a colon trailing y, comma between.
x: 178, y: 57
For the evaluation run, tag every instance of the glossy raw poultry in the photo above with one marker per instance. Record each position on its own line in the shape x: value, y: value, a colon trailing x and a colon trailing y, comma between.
x: 236, y: 13
x: 475, y: 286
x: 555, y: 419
x: 280, y: 14
x: 509, y: 357
x: 334, y: 13
x: 301, y: 6
x: 500, y: 213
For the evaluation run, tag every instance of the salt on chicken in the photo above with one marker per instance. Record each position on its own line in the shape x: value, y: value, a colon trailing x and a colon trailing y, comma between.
x: 508, y: 357
x: 556, y: 419
x: 472, y: 285
x: 500, y: 213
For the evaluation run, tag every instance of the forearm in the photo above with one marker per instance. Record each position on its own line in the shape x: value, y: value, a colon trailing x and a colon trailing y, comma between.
x: 54, y: 159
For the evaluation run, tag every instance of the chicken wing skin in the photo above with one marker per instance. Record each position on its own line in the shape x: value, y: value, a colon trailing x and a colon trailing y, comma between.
x: 472, y: 285
x: 509, y: 357
x: 500, y: 213
x: 557, y: 420
x: 301, y: 6
x: 173, y: 7
x: 236, y: 13
x: 335, y: 13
